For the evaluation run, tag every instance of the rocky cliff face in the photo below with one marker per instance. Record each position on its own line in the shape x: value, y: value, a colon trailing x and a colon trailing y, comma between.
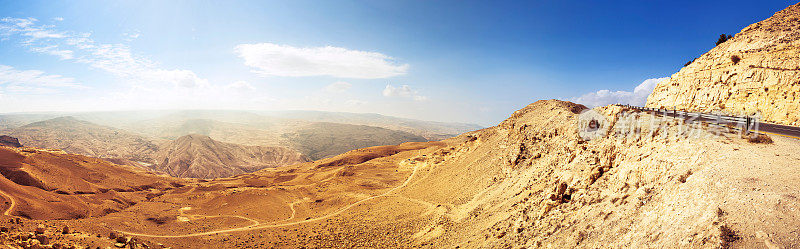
x: 757, y: 71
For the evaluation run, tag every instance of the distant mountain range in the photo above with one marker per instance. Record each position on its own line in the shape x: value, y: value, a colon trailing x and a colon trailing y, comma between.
x: 429, y: 129
x: 221, y: 143
x: 85, y: 138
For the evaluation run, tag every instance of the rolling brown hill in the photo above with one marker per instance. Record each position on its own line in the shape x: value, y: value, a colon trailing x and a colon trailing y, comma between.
x: 321, y: 140
x: 339, y: 132
x: 11, y: 121
x: 85, y: 138
x: 9, y: 141
x: 188, y: 156
x: 50, y: 184
x: 428, y: 129
x: 316, y: 140
x: 199, y: 156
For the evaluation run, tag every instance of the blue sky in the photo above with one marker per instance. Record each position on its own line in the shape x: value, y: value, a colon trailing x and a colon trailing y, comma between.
x: 462, y: 61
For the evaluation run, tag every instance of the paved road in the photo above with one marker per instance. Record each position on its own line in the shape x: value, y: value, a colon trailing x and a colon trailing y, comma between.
x: 783, y: 130
x: 775, y: 129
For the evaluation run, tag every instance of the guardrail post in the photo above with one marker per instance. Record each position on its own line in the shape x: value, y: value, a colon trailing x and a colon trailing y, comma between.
x: 747, y: 124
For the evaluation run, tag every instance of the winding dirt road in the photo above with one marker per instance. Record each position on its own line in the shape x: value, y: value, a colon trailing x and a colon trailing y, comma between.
x: 262, y: 226
x: 13, y: 203
x: 199, y: 217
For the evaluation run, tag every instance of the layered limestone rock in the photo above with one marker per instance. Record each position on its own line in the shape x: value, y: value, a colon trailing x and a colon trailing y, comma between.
x: 757, y: 72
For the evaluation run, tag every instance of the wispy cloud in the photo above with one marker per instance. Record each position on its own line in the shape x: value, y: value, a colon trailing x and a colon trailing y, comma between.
x: 607, y: 97
x: 33, y: 81
x: 117, y: 59
x: 64, y: 54
x: 338, y: 87
x: 240, y: 86
x: 270, y: 59
x: 130, y: 36
x: 404, y: 91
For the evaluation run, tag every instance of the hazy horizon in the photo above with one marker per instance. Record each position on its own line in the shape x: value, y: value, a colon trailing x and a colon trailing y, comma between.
x: 252, y: 111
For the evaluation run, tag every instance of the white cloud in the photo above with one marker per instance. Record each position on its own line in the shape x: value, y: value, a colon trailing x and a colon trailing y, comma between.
x: 58, y: 19
x: 117, y: 59
x: 240, y: 86
x: 404, y: 91
x: 338, y: 87
x: 270, y: 59
x: 130, y: 36
x: 33, y: 81
x: 606, y: 97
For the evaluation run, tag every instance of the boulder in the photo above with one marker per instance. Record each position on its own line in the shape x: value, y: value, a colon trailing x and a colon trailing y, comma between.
x: 43, y: 239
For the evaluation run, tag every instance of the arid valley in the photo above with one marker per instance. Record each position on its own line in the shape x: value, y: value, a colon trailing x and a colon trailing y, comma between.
x: 708, y: 158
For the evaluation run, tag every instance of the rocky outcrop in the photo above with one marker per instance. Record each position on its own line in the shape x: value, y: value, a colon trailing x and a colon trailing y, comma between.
x: 9, y: 141
x: 755, y: 72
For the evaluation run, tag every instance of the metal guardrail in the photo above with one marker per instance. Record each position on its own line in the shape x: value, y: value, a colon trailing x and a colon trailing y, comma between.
x: 745, y: 124
x: 750, y: 123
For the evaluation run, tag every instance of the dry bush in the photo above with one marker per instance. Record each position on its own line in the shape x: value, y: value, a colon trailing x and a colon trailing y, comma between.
x: 758, y: 139
x: 723, y: 38
x: 159, y: 220
x: 683, y: 177
x: 735, y: 59
x: 727, y: 236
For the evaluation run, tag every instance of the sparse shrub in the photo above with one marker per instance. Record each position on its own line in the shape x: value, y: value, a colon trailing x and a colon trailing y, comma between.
x: 158, y: 220
x: 723, y: 38
x: 685, y: 176
x: 727, y: 236
x: 735, y: 59
x: 758, y: 139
